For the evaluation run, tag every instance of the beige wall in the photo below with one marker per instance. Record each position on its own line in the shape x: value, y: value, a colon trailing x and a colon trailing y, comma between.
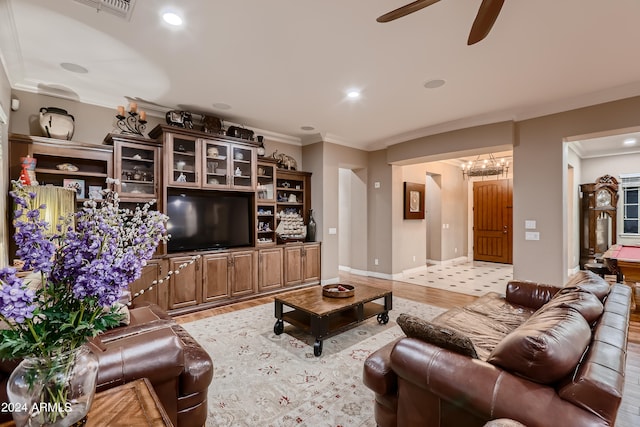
x: 540, y: 180
x: 5, y: 106
x: 329, y: 158
x: 93, y: 123
x: 455, y: 210
x: 463, y: 142
x: 379, y: 214
x: 540, y: 177
x: 410, y: 235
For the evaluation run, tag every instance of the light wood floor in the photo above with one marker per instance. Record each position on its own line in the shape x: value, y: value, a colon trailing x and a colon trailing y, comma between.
x: 629, y: 413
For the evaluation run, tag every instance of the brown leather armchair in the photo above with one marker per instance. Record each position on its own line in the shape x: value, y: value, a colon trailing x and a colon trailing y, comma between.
x: 152, y: 346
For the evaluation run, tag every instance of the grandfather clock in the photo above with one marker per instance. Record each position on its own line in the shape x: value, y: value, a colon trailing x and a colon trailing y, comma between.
x: 598, y: 217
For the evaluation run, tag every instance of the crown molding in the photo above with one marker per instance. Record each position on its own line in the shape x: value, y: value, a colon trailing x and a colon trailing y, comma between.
x: 10, y: 52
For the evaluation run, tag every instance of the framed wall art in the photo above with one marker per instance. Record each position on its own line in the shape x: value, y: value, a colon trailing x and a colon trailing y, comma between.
x: 413, y: 200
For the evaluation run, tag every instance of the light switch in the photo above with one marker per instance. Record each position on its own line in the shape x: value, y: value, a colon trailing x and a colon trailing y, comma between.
x: 532, y: 235
x: 376, y: 184
x: 530, y: 224
x: 333, y: 230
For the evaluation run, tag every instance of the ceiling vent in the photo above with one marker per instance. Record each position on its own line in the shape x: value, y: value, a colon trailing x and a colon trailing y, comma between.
x: 121, y: 8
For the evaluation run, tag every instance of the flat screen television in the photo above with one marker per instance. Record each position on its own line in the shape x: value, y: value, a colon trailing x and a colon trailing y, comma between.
x: 209, y: 220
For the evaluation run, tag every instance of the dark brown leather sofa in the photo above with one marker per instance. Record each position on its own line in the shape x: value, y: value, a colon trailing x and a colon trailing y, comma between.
x: 546, y: 356
x: 152, y: 346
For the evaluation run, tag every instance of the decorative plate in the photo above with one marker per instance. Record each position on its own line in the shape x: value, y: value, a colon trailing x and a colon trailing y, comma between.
x: 67, y: 167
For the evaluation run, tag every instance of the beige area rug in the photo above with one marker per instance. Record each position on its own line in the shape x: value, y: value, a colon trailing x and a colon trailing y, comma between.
x: 263, y: 379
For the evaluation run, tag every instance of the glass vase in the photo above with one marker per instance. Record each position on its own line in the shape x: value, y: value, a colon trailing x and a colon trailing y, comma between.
x: 56, y: 391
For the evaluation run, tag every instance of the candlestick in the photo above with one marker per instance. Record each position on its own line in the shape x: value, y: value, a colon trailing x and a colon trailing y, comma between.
x: 131, y: 123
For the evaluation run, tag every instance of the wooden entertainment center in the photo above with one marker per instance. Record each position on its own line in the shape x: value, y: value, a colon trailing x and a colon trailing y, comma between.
x: 174, y: 160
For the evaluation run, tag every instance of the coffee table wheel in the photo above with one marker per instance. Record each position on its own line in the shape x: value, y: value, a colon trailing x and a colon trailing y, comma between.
x: 278, y: 328
x: 317, y: 348
x: 383, y: 318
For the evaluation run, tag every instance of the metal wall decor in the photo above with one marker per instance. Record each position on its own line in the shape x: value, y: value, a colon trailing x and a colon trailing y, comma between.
x: 130, y: 122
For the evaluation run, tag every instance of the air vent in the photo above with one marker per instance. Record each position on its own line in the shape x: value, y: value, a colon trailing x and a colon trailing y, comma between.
x: 121, y: 8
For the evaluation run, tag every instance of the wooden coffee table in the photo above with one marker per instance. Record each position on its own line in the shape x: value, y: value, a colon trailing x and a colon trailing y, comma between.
x: 323, y: 316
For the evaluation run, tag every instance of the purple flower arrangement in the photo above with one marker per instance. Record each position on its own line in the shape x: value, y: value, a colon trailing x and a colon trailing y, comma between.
x: 82, y: 271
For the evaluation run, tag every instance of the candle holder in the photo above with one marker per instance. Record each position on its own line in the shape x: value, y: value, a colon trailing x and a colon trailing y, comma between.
x: 131, y: 123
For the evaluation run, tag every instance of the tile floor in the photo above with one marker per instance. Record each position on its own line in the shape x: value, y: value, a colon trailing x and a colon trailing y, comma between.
x: 472, y: 278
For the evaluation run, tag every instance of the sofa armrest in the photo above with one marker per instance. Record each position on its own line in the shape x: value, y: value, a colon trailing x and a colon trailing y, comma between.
x: 155, y: 354
x: 529, y: 294
x: 377, y: 373
x: 198, y: 369
x: 480, y: 388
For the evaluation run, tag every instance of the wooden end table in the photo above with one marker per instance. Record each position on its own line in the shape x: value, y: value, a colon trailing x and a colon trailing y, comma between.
x: 131, y: 404
x: 323, y: 316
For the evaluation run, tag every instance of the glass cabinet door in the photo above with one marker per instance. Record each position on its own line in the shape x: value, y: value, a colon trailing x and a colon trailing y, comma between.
x: 216, y: 155
x: 183, y: 161
x: 137, y: 167
x: 242, y: 167
x: 266, y: 184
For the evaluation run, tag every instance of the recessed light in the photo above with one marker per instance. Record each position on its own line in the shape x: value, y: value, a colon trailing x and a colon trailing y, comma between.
x: 172, y: 18
x: 434, y: 84
x: 221, y: 106
x: 353, y: 94
x: 307, y: 128
x: 630, y: 141
x: 74, y: 68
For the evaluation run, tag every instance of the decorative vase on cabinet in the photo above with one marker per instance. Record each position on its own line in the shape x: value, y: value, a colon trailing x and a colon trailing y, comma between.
x: 311, y: 227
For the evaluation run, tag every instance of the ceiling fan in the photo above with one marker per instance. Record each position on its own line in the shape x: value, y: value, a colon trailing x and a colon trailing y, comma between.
x: 486, y: 17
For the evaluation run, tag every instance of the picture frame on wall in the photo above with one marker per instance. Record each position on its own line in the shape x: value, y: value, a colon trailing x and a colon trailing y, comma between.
x: 77, y: 184
x: 413, y: 200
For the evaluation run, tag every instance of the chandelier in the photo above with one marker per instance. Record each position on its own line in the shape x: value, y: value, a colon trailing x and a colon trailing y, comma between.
x: 487, y: 167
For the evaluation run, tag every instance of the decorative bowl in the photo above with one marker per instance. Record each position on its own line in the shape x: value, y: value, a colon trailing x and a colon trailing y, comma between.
x: 336, y: 291
x: 67, y: 167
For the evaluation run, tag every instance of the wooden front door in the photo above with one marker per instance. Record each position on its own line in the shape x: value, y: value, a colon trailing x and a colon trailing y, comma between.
x: 492, y: 221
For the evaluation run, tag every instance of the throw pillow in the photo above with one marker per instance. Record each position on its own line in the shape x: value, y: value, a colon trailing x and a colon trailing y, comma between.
x: 545, y: 348
x: 441, y: 336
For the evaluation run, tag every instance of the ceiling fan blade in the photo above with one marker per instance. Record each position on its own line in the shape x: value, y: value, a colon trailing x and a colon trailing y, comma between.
x: 405, y: 10
x: 486, y: 17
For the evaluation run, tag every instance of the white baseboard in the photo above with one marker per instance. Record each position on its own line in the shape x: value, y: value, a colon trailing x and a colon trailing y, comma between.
x: 331, y: 281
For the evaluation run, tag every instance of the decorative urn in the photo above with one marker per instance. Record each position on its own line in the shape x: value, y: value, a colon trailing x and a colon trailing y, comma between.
x: 56, y: 123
